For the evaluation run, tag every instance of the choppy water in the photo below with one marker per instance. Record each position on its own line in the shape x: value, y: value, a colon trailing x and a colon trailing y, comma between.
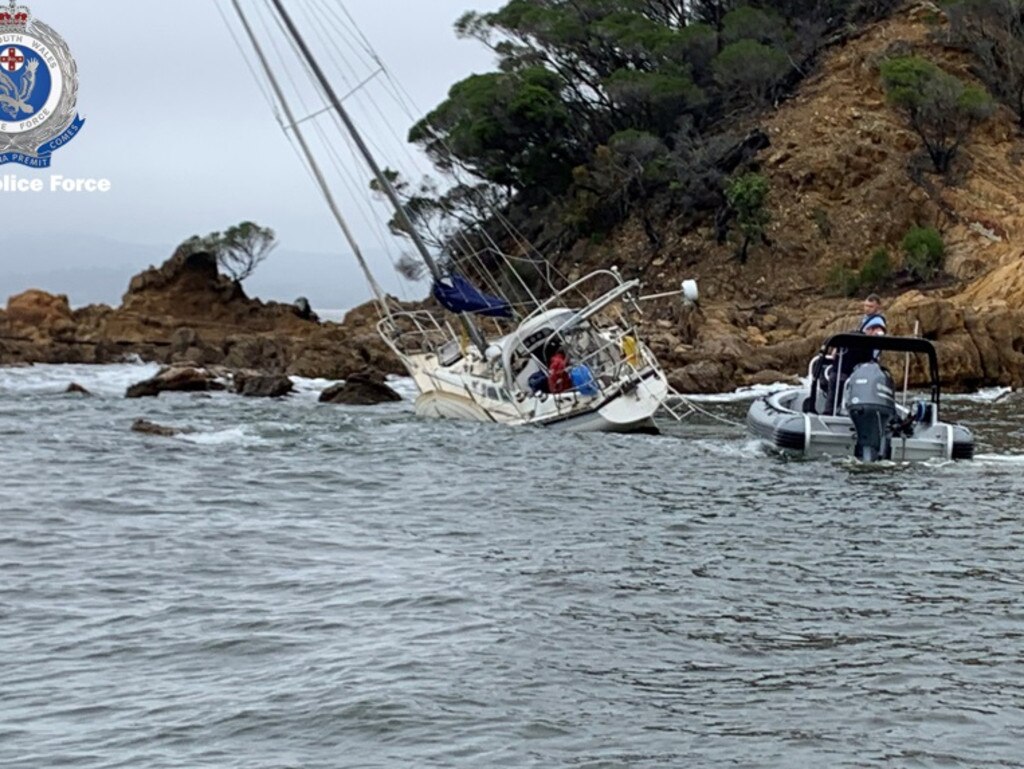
x: 304, y: 586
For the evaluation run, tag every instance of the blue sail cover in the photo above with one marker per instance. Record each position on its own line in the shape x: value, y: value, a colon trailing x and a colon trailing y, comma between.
x: 457, y: 294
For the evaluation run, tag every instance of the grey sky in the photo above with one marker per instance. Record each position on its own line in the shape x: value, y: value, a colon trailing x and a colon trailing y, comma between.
x: 175, y: 120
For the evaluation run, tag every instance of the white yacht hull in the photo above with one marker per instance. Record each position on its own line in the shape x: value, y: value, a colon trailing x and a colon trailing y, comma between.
x: 631, y: 410
x: 612, y: 382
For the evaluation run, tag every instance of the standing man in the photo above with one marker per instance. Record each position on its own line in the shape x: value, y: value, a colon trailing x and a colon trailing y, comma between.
x: 872, y: 311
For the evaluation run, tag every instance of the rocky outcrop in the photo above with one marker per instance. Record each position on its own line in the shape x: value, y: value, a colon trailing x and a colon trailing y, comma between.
x: 146, y: 427
x: 363, y: 389
x: 76, y: 389
x: 260, y: 386
x: 184, y: 313
x: 176, y: 380
x: 844, y: 182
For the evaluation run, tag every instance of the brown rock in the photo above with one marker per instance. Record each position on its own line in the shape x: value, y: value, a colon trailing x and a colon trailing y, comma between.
x: 705, y: 376
x: 175, y: 380
x: 38, y: 309
x: 263, y: 386
x: 366, y: 389
x: 74, y: 387
x: 151, y: 428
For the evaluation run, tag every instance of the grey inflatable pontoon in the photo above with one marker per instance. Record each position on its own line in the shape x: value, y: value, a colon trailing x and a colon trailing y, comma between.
x: 850, y: 409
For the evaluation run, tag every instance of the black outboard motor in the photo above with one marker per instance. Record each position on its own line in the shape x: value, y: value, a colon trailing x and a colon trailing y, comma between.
x: 871, y: 403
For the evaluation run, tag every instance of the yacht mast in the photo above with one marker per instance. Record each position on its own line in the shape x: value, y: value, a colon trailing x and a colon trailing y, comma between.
x: 364, y: 150
x: 311, y: 160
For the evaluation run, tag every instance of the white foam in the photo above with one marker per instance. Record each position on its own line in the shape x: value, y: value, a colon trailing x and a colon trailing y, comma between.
x: 403, y: 385
x: 999, y: 459
x: 743, y: 394
x: 988, y: 395
x: 751, y: 448
x: 307, y: 386
x: 47, y: 379
x: 232, y: 436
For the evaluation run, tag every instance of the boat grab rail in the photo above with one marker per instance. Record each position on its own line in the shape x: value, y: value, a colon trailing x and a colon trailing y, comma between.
x: 432, y: 333
x: 622, y: 288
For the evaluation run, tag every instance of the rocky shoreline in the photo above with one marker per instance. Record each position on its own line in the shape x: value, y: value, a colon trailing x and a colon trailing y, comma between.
x: 839, y: 161
x: 184, y: 313
x: 210, y: 335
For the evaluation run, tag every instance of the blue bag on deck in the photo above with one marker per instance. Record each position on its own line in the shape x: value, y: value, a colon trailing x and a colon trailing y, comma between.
x: 583, y: 381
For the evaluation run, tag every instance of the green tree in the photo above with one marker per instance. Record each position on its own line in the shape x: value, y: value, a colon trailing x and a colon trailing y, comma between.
x: 618, y: 181
x: 576, y: 76
x: 654, y: 100
x: 758, y: 24
x: 941, y: 108
x: 244, y: 247
x: 446, y: 219
x: 239, y: 249
x: 747, y: 196
x: 993, y: 30
x: 925, y: 252
x: 750, y: 69
x: 511, y: 129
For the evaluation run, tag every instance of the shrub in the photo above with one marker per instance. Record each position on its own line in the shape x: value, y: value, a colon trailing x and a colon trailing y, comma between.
x: 925, y: 252
x: 747, y: 196
x: 843, y: 281
x: 750, y: 69
x: 942, y: 109
x: 877, y: 270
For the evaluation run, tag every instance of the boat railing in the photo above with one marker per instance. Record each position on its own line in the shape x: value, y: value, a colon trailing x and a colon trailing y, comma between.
x: 607, y: 296
x: 620, y: 360
x: 420, y: 331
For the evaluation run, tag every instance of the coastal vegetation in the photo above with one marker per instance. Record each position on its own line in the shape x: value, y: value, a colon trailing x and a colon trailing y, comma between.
x: 941, y: 108
x: 747, y: 196
x: 925, y: 251
x: 604, y: 110
x: 992, y: 31
x: 239, y: 249
x: 649, y: 115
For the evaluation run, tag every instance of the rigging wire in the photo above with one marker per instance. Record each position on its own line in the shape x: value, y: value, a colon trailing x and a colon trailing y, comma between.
x: 407, y: 103
x: 248, y: 63
x: 341, y: 169
x: 310, y: 159
x: 324, y: 19
x: 470, y: 252
x: 326, y: 22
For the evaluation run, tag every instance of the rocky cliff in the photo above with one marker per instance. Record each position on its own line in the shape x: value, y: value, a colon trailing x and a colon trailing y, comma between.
x: 185, y: 312
x: 844, y: 182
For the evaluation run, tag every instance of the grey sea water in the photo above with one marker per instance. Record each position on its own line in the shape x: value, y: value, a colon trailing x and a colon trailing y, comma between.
x: 294, y: 585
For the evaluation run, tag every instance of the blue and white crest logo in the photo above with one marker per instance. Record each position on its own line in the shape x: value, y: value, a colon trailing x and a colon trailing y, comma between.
x: 38, y: 90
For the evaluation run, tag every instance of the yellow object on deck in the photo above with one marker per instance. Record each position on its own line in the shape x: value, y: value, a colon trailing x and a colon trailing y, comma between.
x: 629, y: 350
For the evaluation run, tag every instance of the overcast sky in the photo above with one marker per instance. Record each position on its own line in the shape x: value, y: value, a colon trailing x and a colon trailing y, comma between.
x: 178, y: 124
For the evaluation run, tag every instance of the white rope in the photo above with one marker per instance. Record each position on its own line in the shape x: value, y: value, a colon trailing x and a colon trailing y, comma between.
x: 696, y: 408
